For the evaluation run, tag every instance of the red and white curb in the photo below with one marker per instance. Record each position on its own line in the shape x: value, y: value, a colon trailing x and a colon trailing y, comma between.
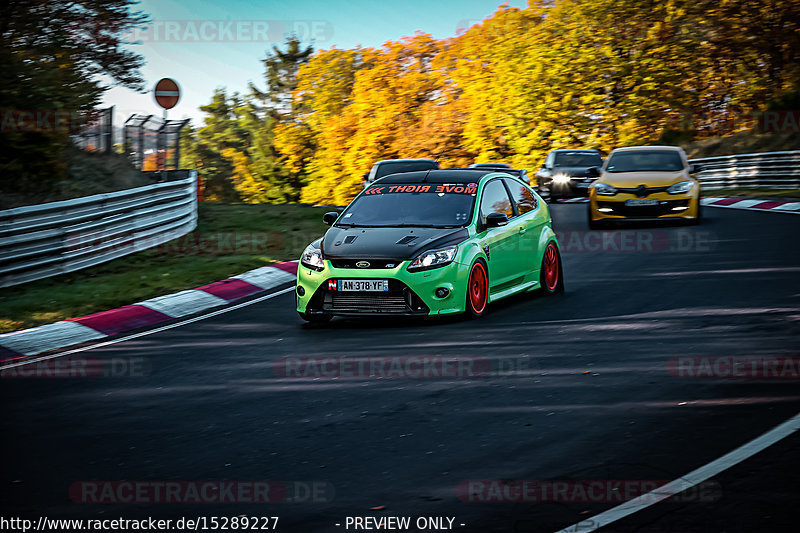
x: 761, y: 205
x: 777, y: 206
x: 150, y: 312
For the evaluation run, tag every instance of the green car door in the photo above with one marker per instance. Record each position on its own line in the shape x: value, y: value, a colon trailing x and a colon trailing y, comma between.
x: 500, y: 244
x: 529, y: 221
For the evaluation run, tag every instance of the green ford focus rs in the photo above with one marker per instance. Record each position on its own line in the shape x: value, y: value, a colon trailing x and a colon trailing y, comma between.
x: 430, y: 243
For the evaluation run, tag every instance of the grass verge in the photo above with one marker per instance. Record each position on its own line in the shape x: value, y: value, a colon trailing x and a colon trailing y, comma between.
x: 229, y: 239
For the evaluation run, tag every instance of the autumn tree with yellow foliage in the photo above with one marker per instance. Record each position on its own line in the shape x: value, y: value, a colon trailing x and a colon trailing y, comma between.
x: 557, y: 74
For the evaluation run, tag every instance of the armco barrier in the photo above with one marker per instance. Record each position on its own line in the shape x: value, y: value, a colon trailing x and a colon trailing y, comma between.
x: 43, y: 240
x: 769, y: 170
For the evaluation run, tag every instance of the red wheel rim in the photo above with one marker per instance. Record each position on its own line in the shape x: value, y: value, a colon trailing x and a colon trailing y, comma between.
x: 477, y: 288
x: 551, y: 267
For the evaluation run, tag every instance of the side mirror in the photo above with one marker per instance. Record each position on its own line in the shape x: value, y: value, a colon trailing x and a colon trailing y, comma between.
x: 695, y: 168
x: 495, y: 220
x: 365, y: 175
x: 330, y: 217
x: 593, y: 172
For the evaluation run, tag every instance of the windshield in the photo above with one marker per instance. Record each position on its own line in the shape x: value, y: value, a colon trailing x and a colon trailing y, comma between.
x: 577, y: 159
x: 384, y: 169
x: 417, y: 204
x: 645, y: 160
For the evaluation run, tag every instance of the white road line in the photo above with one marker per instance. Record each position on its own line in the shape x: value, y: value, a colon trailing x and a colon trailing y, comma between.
x: 691, y: 479
x: 149, y: 332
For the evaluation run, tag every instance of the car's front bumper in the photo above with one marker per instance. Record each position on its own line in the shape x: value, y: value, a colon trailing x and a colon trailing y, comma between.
x: 410, y: 293
x: 669, y: 206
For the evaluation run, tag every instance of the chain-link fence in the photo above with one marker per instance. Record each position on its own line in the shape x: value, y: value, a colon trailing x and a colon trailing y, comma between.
x: 97, y: 134
x: 153, y: 143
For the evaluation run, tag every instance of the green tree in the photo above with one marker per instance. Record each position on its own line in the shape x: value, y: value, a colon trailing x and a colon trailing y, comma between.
x: 203, y: 149
x: 280, y: 75
x: 57, y: 56
x: 557, y: 74
x: 271, y: 179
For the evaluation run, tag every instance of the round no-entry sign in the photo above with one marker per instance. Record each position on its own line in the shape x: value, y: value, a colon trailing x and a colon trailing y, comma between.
x: 167, y: 93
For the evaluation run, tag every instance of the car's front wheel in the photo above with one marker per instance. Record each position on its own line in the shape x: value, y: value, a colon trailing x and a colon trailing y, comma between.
x: 551, y: 275
x: 477, y: 289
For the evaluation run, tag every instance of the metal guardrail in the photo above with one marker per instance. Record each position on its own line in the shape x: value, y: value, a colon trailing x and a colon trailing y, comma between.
x: 769, y: 170
x: 54, y: 238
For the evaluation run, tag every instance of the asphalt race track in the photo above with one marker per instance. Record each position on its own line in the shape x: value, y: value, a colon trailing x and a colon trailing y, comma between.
x: 575, y: 387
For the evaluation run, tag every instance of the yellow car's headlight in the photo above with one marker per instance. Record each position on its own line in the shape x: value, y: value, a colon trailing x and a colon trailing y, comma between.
x: 604, y: 189
x: 681, y: 188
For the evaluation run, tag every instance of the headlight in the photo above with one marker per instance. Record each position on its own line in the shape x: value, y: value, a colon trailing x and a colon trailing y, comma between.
x: 312, y: 258
x: 433, y: 259
x: 681, y: 188
x: 604, y: 189
x: 561, y: 179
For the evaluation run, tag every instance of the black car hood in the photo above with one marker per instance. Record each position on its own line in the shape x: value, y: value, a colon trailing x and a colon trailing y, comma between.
x: 387, y: 243
x: 574, y: 172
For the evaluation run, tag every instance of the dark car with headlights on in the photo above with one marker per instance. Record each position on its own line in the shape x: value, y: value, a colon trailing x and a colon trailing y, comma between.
x: 565, y: 173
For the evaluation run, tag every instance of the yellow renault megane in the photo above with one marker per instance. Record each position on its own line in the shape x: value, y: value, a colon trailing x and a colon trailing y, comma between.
x: 644, y: 183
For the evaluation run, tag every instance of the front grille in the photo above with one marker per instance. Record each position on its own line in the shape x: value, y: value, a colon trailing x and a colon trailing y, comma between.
x: 373, y: 263
x: 643, y: 211
x: 367, y: 303
x: 642, y: 191
x: 399, y: 299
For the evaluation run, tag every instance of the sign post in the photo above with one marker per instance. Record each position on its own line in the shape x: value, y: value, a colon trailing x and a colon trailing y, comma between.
x: 167, y: 94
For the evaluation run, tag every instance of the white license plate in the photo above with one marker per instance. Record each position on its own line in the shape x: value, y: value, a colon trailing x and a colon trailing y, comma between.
x: 362, y: 285
x: 642, y: 201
